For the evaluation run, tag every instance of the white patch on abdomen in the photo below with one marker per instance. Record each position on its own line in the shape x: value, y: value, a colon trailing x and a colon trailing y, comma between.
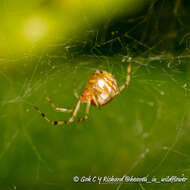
x: 106, y: 95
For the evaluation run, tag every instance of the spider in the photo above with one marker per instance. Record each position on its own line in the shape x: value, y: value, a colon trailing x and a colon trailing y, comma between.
x: 100, y: 89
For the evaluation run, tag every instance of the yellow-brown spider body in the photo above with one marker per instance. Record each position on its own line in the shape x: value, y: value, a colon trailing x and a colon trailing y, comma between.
x: 100, y: 89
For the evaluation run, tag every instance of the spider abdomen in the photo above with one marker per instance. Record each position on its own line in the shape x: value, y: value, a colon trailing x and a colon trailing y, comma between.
x: 101, y: 88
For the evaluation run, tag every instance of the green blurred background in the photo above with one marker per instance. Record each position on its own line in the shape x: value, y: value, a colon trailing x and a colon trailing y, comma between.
x: 46, y: 45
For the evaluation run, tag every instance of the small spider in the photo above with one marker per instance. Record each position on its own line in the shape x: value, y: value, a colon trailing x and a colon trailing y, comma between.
x: 100, y: 89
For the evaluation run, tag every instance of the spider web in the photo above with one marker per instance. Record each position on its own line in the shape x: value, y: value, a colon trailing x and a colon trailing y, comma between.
x: 155, y: 78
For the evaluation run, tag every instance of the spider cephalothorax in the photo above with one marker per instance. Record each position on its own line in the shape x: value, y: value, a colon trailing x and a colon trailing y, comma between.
x: 100, y: 89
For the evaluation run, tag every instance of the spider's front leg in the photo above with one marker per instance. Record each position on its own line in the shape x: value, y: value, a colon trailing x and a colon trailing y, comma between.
x: 86, y: 113
x: 56, y: 108
x: 73, y: 117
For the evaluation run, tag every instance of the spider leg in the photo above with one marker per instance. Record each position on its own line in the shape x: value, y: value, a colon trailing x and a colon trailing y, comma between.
x: 128, y: 77
x: 75, y: 90
x: 86, y: 113
x: 96, y: 102
x: 56, y: 108
x: 73, y: 117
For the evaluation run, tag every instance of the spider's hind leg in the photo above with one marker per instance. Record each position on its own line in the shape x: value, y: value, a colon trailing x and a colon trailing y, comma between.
x: 128, y: 77
x: 96, y: 102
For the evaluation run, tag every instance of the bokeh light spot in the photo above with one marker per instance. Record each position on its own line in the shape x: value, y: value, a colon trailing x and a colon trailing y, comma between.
x: 35, y: 29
